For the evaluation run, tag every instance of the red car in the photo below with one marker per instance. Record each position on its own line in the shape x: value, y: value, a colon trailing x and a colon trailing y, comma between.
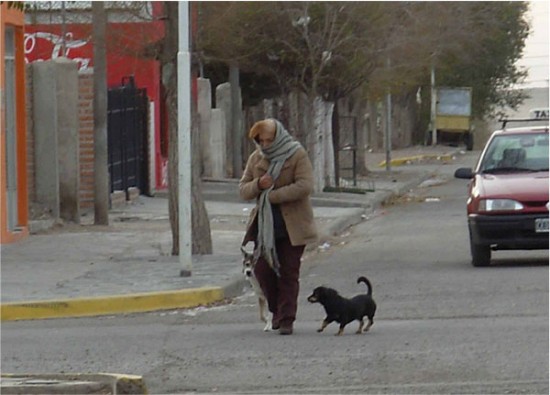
x: 508, y: 193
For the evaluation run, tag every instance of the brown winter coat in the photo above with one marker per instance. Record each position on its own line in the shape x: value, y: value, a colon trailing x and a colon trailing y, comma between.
x: 291, y: 192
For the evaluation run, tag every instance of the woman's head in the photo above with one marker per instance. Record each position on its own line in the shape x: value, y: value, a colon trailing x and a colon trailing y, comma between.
x: 263, y: 132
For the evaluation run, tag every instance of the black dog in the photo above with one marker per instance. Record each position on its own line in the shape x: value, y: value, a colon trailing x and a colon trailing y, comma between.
x: 343, y: 310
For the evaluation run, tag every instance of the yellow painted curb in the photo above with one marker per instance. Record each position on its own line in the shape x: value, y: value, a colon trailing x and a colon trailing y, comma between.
x: 119, y: 383
x: 116, y: 304
x: 129, y: 384
x: 402, y: 161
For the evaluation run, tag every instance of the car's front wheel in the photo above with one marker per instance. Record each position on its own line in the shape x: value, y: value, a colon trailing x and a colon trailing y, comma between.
x: 481, y: 254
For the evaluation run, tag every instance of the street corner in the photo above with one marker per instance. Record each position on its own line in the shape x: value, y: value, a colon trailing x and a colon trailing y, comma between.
x: 111, y: 305
x: 77, y: 383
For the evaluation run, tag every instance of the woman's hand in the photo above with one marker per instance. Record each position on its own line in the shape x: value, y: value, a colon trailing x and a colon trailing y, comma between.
x: 265, y: 182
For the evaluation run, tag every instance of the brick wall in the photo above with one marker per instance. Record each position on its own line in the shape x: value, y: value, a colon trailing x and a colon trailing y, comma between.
x: 86, y: 135
x: 86, y: 147
x: 30, y: 137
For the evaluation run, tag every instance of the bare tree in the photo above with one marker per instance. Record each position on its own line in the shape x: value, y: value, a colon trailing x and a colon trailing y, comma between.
x: 479, y: 48
x: 335, y: 48
x: 101, y: 172
x: 307, y: 46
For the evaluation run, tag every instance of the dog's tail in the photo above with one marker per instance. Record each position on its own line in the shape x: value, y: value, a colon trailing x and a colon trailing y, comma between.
x: 365, y: 280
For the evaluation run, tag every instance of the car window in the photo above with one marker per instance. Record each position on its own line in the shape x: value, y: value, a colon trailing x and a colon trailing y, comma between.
x: 526, y: 152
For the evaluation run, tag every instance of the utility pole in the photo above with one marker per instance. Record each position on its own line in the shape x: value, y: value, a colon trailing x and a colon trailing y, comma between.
x: 433, y: 102
x: 101, y: 172
x: 184, y: 141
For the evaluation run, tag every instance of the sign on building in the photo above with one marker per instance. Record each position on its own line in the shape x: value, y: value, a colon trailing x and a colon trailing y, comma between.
x: 539, y: 113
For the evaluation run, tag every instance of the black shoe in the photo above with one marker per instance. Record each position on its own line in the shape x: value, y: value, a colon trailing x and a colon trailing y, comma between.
x: 285, y: 330
x: 275, y: 327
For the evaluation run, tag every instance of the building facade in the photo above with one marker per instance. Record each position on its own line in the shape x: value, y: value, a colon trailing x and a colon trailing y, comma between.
x: 52, y: 32
x: 13, y: 153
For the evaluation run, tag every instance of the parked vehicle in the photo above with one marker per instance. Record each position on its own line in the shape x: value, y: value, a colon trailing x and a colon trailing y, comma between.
x: 452, y: 116
x: 507, y: 203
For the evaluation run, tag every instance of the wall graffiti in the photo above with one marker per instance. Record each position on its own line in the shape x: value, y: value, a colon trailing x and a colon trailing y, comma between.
x: 40, y: 46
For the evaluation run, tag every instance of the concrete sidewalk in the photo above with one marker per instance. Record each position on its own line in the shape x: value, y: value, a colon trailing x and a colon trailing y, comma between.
x: 84, y: 270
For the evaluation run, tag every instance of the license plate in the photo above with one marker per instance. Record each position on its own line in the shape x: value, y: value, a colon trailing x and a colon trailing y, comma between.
x: 541, y: 225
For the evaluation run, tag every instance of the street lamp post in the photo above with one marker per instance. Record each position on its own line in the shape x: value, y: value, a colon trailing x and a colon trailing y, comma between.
x: 184, y: 141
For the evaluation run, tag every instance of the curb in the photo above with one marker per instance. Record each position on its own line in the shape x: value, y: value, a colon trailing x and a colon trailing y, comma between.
x: 108, y: 305
x: 80, y: 383
x: 404, y: 160
x: 341, y: 224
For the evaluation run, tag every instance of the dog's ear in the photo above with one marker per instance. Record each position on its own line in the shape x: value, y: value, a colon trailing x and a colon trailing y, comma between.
x: 247, y: 255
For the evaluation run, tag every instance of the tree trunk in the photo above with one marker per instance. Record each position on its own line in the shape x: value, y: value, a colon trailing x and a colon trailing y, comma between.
x: 336, y: 143
x: 236, y: 121
x: 320, y: 143
x: 328, y: 108
x: 200, y: 231
x: 201, y: 238
x: 101, y: 172
x: 363, y: 128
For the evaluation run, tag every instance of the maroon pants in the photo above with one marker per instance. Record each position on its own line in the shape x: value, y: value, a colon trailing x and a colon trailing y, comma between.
x: 282, y: 292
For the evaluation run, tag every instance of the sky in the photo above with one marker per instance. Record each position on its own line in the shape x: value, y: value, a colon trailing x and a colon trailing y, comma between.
x: 536, y: 57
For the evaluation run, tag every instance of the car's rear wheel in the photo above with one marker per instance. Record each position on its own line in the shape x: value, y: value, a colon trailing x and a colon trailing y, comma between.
x: 481, y: 254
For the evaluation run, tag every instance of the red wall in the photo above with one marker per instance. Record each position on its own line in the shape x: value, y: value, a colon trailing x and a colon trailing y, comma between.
x: 126, y: 43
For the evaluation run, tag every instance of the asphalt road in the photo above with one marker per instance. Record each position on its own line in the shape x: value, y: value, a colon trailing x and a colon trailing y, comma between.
x: 442, y: 326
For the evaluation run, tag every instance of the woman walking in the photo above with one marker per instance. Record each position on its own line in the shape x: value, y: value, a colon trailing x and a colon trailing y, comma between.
x: 279, y: 175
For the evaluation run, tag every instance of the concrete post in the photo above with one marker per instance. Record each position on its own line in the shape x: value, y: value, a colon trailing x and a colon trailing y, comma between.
x: 45, y: 136
x: 204, y: 109
x: 55, y: 104
x: 223, y: 102
x: 217, y: 143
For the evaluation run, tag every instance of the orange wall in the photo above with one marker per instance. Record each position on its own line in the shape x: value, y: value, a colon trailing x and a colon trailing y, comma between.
x: 15, y: 18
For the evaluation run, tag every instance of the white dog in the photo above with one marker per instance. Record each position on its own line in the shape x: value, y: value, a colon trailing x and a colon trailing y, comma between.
x: 248, y: 270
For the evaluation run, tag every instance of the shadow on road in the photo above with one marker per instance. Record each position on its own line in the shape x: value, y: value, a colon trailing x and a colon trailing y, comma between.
x: 519, y: 262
